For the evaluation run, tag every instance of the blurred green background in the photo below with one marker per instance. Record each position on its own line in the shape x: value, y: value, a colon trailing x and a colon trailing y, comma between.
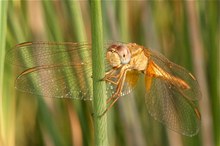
x: 186, y: 32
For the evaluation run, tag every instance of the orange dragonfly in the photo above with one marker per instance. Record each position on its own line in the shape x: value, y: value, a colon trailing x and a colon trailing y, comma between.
x: 64, y: 70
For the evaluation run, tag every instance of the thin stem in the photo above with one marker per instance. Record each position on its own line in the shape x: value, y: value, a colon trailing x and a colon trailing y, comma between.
x: 3, y: 24
x: 99, y: 87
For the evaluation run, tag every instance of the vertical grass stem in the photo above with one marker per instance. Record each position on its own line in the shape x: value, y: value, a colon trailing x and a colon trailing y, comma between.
x: 99, y: 89
x: 3, y: 16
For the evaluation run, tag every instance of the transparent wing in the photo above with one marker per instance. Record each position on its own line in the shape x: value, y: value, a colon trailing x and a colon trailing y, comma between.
x: 131, y: 80
x: 170, y: 103
x: 167, y: 104
x: 32, y: 54
x: 56, y: 81
x: 53, y: 69
x: 193, y: 93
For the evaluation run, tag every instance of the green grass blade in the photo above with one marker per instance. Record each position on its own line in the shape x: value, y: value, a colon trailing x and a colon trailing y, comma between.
x: 212, y: 42
x: 98, y: 73
x: 76, y: 20
x: 3, y: 16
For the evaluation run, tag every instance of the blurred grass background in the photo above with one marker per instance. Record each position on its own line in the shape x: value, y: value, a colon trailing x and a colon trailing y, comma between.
x: 188, y: 33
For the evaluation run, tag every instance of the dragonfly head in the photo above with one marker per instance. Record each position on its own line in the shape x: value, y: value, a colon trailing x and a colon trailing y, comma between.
x: 118, y: 54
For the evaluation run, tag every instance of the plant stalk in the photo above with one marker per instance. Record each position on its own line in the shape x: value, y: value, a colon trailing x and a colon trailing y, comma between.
x: 99, y: 88
x: 3, y: 28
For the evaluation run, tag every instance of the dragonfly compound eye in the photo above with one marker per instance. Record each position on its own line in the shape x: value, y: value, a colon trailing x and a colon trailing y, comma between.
x: 124, y: 54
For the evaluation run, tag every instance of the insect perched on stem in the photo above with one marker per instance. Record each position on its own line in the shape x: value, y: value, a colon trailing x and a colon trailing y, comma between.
x: 64, y: 70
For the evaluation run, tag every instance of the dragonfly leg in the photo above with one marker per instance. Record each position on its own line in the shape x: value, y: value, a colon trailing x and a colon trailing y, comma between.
x: 113, y: 82
x: 115, y: 99
x: 118, y: 90
x: 121, y: 75
x: 116, y: 95
x: 111, y: 98
x: 114, y: 76
x: 118, y: 76
x: 110, y: 73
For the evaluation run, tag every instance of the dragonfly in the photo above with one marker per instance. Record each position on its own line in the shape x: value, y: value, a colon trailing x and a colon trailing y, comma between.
x: 64, y: 70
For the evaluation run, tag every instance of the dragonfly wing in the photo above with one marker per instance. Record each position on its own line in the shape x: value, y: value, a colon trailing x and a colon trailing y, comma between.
x: 193, y: 93
x: 167, y: 104
x: 170, y: 102
x: 53, y: 69
x: 30, y: 54
x: 131, y: 80
x: 56, y: 81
